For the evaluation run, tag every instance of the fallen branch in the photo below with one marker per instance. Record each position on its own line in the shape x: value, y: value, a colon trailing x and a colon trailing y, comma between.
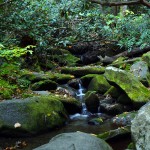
x: 135, y: 2
x: 108, y: 60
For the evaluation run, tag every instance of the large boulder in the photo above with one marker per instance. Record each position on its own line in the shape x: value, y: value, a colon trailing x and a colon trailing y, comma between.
x: 141, y: 71
x: 82, y: 71
x: 135, y: 90
x: 99, y: 84
x: 75, y: 141
x: 140, y: 128
x: 31, y: 115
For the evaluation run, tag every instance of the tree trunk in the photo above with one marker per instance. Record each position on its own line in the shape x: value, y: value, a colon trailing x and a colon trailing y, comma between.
x: 109, y: 60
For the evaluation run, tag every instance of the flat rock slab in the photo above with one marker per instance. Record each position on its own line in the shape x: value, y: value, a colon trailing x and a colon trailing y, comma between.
x: 75, y: 141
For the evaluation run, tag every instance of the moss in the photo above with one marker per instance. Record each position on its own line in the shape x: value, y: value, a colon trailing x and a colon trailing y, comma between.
x: 131, y: 146
x: 146, y: 58
x: 86, y: 79
x: 48, y: 114
x: 99, y: 84
x: 114, y: 92
x: 59, y: 78
x: 82, y: 71
x: 35, y: 114
x: 6, y: 89
x: 44, y: 85
x: 135, y: 90
x: 115, y: 133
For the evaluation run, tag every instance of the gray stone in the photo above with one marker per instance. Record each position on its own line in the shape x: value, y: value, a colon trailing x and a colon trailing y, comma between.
x: 140, y: 128
x: 31, y: 115
x: 141, y: 71
x: 75, y: 141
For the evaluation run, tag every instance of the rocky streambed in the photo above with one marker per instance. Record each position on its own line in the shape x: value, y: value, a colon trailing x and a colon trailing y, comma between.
x: 112, y: 98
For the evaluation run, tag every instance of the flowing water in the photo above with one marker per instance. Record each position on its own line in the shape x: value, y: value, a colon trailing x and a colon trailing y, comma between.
x: 78, y: 122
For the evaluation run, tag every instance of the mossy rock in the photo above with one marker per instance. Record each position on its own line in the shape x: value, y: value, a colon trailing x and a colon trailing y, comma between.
x: 124, y: 119
x: 91, y: 101
x: 99, y: 84
x: 32, y: 115
x: 115, y: 133
x: 82, y: 71
x: 59, y: 78
x: 87, y: 79
x: 113, y: 92
x: 146, y: 58
x: 71, y: 104
x: 40, y: 76
x: 135, y: 90
x: 44, y: 85
x: 34, y: 76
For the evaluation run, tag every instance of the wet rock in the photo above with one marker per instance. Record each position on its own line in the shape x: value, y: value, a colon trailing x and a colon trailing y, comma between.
x: 91, y: 101
x: 32, y: 115
x: 124, y: 119
x: 112, y: 109
x: 140, y: 128
x: 141, y: 71
x: 44, y: 85
x: 115, y: 133
x: 65, y: 91
x: 135, y: 90
x: 75, y: 141
x: 99, y: 84
x: 146, y: 58
x: 72, y: 105
x: 82, y: 71
x: 74, y: 83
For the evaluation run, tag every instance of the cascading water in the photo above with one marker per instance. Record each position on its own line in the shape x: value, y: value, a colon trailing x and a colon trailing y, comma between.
x: 80, y: 96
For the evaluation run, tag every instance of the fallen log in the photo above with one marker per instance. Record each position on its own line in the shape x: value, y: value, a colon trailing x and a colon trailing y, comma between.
x: 109, y: 60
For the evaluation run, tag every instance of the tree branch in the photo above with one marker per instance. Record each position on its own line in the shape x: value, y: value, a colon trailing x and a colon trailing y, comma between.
x: 143, y: 2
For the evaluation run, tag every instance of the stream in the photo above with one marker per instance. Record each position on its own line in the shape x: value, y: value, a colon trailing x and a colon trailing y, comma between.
x: 78, y: 122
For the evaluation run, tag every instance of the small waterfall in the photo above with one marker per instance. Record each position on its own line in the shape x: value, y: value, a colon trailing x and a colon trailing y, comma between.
x: 80, y: 93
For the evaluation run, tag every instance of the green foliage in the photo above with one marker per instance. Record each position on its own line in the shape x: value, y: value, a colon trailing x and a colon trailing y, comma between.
x: 62, y: 22
x: 14, y: 52
x: 6, y: 89
x: 129, y: 31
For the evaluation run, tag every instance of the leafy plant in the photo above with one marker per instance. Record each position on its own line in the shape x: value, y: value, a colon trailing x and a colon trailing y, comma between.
x: 14, y: 52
